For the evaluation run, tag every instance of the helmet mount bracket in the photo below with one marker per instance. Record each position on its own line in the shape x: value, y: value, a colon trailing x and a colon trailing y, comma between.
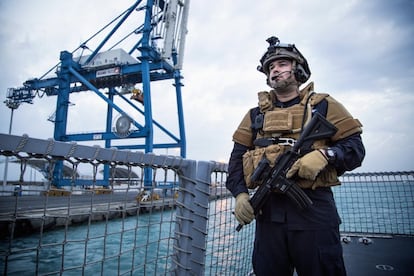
x: 277, y: 50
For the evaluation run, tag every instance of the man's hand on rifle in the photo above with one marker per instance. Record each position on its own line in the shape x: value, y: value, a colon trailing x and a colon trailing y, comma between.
x: 244, y: 211
x: 309, y: 166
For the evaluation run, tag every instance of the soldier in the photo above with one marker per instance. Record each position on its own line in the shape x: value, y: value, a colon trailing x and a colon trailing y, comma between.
x: 287, y: 238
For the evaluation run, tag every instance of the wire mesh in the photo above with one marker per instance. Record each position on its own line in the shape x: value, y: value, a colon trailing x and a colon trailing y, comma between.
x: 132, y: 228
x: 377, y: 203
x: 229, y: 251
x: 122, y: 229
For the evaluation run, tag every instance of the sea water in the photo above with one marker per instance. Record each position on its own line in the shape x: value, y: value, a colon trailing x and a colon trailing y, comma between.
x: 141, y: 244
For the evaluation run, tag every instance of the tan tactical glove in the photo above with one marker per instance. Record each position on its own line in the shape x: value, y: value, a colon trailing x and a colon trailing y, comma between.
x: 244, y: 211
x: 309, y: 166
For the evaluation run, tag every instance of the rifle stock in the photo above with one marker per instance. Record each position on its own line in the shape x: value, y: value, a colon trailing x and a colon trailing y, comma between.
x: 318, y: 128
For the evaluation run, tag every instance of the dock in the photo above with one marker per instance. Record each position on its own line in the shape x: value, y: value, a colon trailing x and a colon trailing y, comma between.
x: 56, y: 208
x: 68, y: 210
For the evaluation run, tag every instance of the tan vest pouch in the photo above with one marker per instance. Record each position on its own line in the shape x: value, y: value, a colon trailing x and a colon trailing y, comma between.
x: 277, y: 121
x: 252, y: 158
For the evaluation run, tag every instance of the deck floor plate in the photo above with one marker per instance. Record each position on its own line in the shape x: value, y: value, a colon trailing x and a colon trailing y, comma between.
x: 384, y: 256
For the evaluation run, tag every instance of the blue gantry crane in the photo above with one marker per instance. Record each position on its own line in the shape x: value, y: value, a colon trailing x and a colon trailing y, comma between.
x: 128, y: 57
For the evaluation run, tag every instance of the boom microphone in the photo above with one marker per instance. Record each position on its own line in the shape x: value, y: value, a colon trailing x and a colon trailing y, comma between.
x: 277, y: 75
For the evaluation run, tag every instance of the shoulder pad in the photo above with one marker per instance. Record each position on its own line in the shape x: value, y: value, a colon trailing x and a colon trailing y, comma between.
x: 308, y: 88
x: 342, y: 119
x: 243, y: 134
x: 317, y: 98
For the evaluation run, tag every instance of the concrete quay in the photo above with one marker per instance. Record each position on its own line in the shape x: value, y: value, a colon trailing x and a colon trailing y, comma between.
x: 25, y: 215
x: 30, y: 214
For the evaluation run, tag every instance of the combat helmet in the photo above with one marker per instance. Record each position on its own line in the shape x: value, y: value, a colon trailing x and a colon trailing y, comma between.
x: 278, y: 50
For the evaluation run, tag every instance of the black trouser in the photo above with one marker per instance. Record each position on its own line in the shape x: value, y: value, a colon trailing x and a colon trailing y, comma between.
x: 278, y: 251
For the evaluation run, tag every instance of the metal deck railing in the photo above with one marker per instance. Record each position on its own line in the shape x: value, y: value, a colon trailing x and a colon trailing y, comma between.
x: 185, y: 227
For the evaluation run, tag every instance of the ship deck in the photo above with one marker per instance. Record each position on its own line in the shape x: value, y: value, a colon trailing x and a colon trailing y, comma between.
x: 378, y: 255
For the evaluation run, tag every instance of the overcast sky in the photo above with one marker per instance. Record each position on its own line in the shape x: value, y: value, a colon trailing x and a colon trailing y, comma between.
x: 359, y: 51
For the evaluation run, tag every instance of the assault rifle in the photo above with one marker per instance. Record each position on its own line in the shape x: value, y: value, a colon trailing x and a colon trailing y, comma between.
x: 275, y: 178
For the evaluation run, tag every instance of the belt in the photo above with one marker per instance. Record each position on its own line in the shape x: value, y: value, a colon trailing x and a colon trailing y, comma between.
x: 264, y: 142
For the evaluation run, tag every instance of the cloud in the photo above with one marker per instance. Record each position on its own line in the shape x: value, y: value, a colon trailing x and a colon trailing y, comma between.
x: 359, y: 51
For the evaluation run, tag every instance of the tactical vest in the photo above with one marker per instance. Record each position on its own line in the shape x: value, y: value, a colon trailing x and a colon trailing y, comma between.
x: 282, y: 126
